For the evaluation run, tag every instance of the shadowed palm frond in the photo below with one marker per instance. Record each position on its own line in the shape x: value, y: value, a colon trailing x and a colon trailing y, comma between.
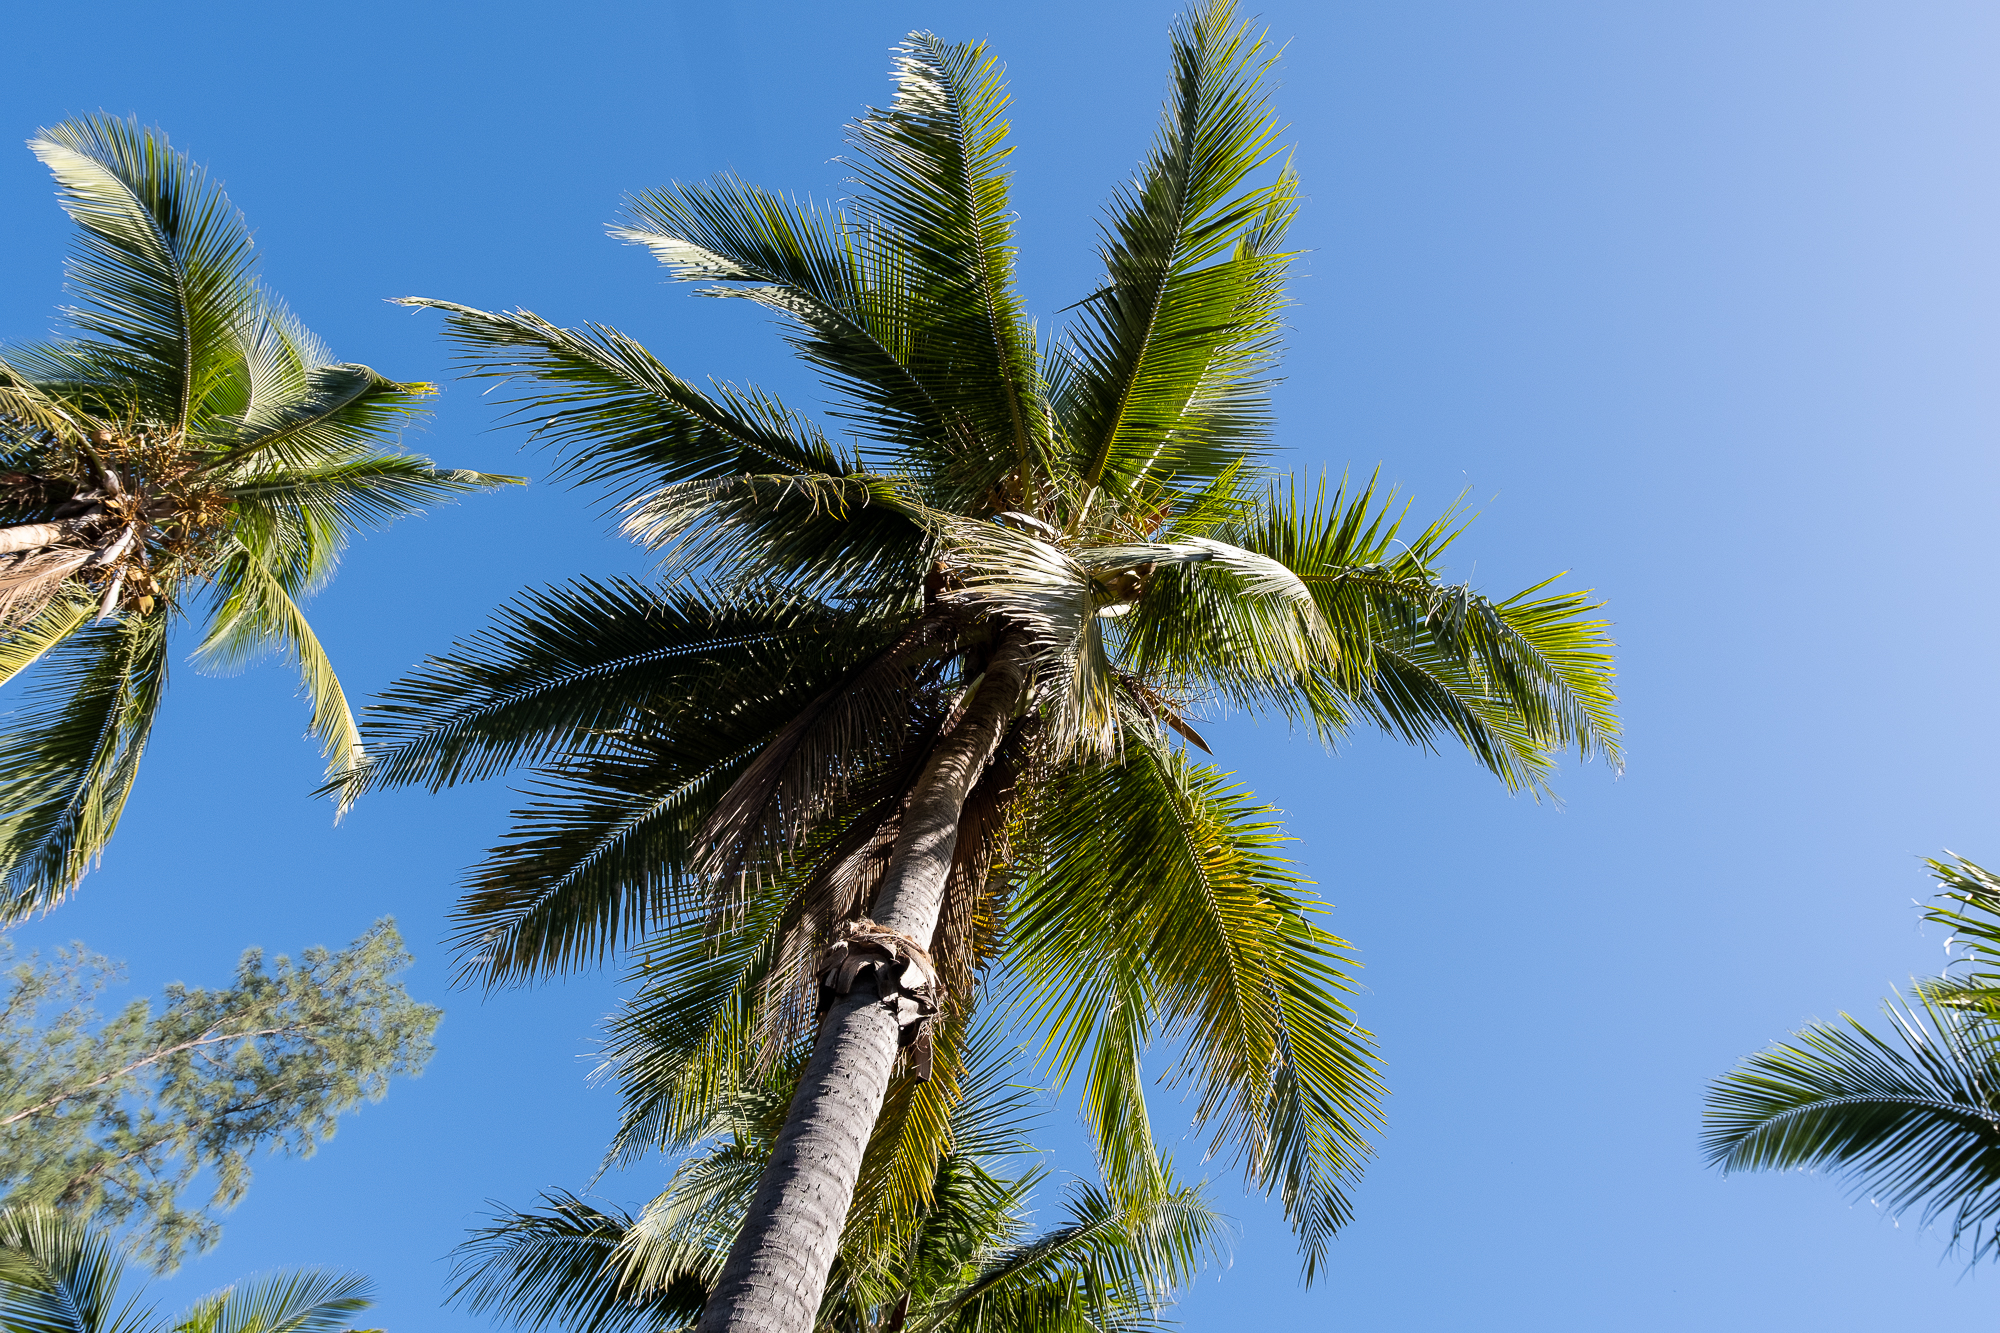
x: 71, y: 757
x: 562, y: 1265
x: 1912, y: 1119
x: 622, y: 420
x: 564, y: 666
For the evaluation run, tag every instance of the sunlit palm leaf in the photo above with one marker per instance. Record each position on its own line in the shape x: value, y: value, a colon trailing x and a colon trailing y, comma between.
x: 163, y: 266
x: 1153, y: 884
x: 1163, y: 378
x: 934, y: 167
x: 304, y: 1300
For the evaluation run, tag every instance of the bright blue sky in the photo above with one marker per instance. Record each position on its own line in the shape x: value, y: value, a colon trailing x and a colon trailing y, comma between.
x: 1699, y: 299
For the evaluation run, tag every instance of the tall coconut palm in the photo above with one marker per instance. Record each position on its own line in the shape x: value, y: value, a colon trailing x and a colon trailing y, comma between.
x: 1913, y: 1117
x: 964, y: 1259
x: 906, y: 706
x: 60, y: 1275
x: 191, y: 451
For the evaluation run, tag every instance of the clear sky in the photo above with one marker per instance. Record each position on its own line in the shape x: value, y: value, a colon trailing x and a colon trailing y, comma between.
x: 1697, y: 298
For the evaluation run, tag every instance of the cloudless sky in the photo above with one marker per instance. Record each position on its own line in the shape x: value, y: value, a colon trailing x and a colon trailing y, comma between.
x: 1696, y: 299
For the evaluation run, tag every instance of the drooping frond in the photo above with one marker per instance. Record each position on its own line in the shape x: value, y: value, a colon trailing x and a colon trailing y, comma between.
x: 298, y: 519
x: 1150, y: 903
x: 598, y: 858
x: 254, y: 615
x: 1912, y: 1119
x: 1161, y: 381
x: 1514, y: 681
x: 70, y: 757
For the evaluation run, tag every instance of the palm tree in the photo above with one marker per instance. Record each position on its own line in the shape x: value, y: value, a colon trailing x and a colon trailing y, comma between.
x: 60, y: 1275
x: 192, y: 442
x: 1912, y: 1118
x: 904, y: 707
x: 961, y: 1259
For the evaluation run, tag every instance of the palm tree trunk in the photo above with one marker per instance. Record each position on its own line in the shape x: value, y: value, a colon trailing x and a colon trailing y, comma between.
x: 32, y: 536
x: 777, y: 1268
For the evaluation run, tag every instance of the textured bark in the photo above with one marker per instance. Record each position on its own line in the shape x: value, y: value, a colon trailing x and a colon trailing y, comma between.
x: 32, y: 536
x: 777, y: 1268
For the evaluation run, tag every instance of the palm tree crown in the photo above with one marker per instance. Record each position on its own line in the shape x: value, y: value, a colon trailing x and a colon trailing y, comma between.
x: 917, y: 699
x: 192, y: 442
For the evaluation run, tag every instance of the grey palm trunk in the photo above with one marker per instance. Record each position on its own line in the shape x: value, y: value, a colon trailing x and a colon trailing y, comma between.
x: 777, y: 1269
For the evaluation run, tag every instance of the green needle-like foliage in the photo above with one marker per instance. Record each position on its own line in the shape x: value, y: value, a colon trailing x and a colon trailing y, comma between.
x: 112, y: 1120
x: 190, y: 452
x: 724, y: 760
x: 62, y: 1275
x: 1911, y: 1118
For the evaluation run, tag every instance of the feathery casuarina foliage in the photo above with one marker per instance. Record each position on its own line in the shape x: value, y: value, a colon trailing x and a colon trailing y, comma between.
x: 1079, y: 530
x: 110, y: 1120
x: 1913, y: 1117
x: 190, y: 451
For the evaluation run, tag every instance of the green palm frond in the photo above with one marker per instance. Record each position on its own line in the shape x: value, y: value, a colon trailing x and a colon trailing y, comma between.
x: 1513, y: 681
x: 299, y: 519
x: 1108, y: 1266
x: 1151, y: 903
x: 71, y: 758
x: 564, y: 666
x: 58, y: 1275
x: 303, y: 1300
x: 255, y: 615
x: 933, y: 168
x: 563, y: 1265
x: 163, y: 268
x: 620, y: 418
x: 1975, y: 933
x: 1912, y: 1119
x: 296, y: 407
x: 599, y: 858
x: 847, y: 295
x: 47, y: 630
x: 846, y: 537
x: 1162, y: 381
